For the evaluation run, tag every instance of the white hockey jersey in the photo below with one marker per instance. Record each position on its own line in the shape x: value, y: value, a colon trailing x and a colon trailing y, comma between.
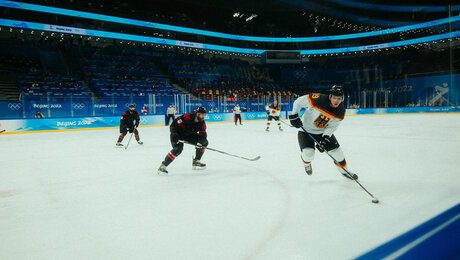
x: 237, y: 110
x: 171, y: 111
x: 273, y: 110
x: 319, y: 117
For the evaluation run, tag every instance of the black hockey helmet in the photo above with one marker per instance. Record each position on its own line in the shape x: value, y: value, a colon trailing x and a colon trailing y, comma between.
x: 131, y: 105
x: 336, y: 90
x: 201, y: 110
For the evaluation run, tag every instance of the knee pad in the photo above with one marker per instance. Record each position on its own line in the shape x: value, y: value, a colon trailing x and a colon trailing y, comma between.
x: 178, y: 149
x: 308, y: 154
x: 337, y: 153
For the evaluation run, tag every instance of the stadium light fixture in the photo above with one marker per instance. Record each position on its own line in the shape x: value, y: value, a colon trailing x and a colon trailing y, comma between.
x: 107, y: 18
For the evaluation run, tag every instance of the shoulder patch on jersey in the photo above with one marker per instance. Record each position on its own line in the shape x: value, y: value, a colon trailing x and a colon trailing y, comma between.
x: 322, y: 103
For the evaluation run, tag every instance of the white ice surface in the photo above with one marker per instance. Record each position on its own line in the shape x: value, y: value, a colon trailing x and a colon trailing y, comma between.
x: 73, y: 195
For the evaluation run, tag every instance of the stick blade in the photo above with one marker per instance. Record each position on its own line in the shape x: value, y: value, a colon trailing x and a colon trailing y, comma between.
x: 255, y: 159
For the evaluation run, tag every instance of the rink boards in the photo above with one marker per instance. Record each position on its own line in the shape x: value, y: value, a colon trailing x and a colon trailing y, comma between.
x: 13, y: 126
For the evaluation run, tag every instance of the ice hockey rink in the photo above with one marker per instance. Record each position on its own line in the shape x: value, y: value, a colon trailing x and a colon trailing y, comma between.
x: 74, y: 195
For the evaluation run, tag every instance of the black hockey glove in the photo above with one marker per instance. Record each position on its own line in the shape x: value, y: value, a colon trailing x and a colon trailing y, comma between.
x: 323, y: 144
x: 295, y: 120
x: 131, y: 129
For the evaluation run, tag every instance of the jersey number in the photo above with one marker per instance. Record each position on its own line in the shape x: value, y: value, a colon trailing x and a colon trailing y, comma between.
x: 321, y: 121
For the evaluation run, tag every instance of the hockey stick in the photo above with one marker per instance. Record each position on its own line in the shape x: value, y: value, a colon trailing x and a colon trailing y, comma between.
x: 215, y: 150
x: 126, y: 147
x: 374, y: 199
x: 285, y: 123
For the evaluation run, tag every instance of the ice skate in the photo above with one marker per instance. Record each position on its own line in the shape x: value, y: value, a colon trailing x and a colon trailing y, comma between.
x: 140, y: 142
x: 118, y: 144
x: 355, y: 177
x: 197, y: 165
x: 162, y: 170
x: 308, y: 169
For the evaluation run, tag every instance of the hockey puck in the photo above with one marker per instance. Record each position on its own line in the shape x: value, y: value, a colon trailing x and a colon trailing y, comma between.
x: 375, y: 201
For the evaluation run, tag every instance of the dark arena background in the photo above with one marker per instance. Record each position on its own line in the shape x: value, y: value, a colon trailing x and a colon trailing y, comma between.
x: 81, y: 180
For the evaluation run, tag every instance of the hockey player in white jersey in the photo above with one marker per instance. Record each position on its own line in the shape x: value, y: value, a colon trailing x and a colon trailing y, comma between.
x: 323, y: 115
x: 273, y: 111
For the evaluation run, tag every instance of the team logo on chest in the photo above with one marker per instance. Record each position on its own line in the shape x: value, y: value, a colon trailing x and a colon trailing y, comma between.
x: 321, y: 121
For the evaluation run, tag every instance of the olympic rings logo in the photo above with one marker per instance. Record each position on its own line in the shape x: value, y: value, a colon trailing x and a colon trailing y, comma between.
x: 78, y: 106
x: 300, y: 74
x: 14, y: 106
x: 251, y: 115
x: 217, y: 117
x: 127, y: 104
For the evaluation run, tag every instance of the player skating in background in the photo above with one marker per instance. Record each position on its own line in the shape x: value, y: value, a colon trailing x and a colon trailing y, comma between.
x: 322, y: 117
x: 273, y: 111
x: 127, y: 124
x: 237, y: 113
x: 144, y: 110
x: 189, y: 128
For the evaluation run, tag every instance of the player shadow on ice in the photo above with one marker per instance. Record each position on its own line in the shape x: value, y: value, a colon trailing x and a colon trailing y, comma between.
x: 211, y: 170
x: 326, y: 182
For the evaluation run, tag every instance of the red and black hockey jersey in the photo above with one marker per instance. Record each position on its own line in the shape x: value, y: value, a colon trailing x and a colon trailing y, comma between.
x: 185, y: 125
x: 128, y: 118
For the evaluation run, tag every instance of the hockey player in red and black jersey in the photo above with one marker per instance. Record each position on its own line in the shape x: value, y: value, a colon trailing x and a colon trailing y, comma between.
x: 127, y: 124
x: 190, y: 128
x: 322, y: 117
